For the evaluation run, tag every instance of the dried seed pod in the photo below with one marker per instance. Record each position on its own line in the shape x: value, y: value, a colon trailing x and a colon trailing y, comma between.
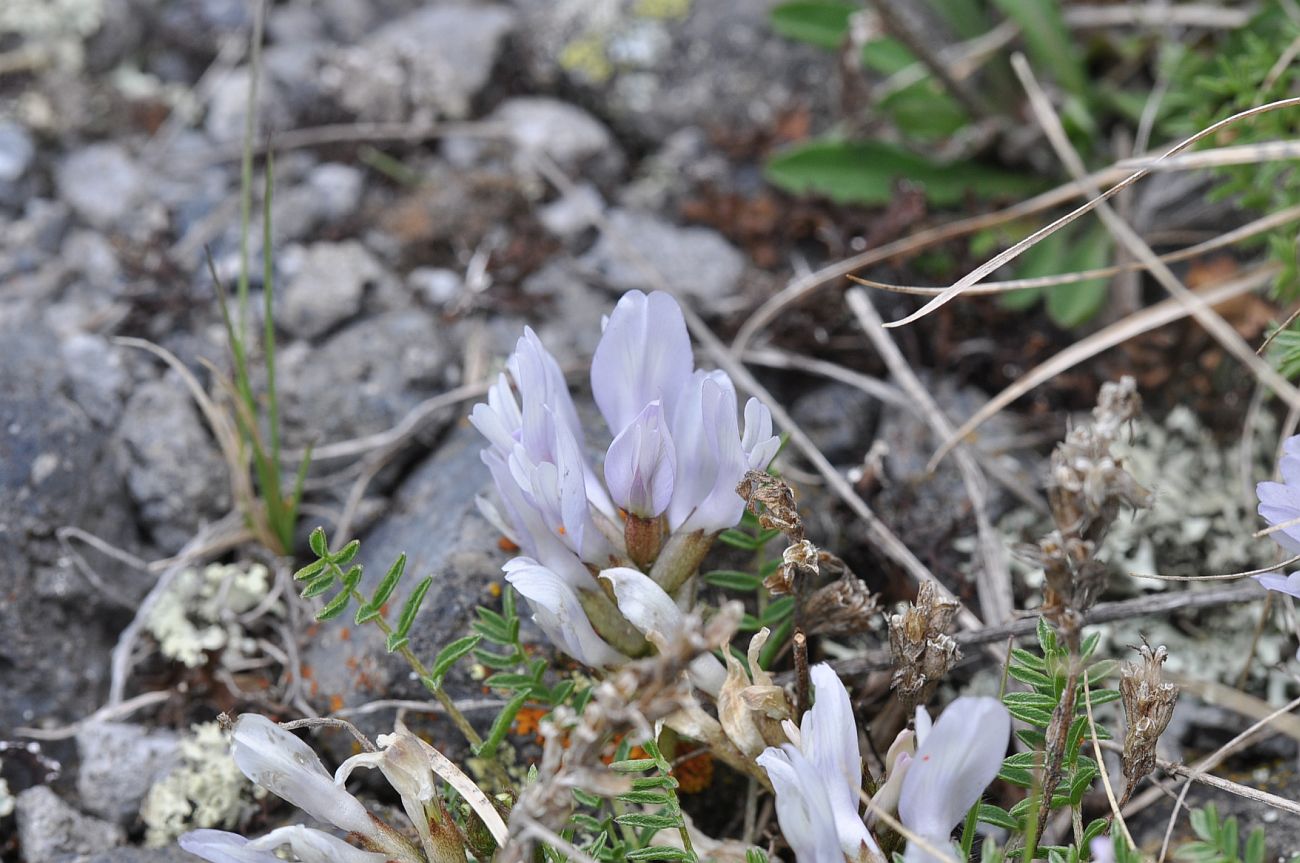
x: 841, y: 607
x: 772, y: 501
x: 1148, y: 706
x: 923, y: 652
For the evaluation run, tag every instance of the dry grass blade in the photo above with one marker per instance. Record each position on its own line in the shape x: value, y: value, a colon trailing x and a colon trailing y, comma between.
x: 1117, y: 333
x: 1224, y: 577
x: 1101, y: 768
x: 1126, y: 237
x: 804, y: 286
x: 1239, y: 154
x: 1084, y: 183
x: 878, y: 389
x: 1251, y: 229
x: 1021, y: 487
x: 993, y: 579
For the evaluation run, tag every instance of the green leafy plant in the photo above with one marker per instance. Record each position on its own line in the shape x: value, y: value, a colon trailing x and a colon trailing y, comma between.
x: 1047, y: 674
x: 1066, y: 251
x: 1217, y: 841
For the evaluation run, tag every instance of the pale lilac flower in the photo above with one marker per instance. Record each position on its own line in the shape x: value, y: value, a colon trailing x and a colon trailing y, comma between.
x: 710, y: 460
x: 955, y: 761
x: 641, y: 462
x: 818, y: 782
x: 557, y: 609
x: 644, y: 355
x: 1279, y: 503
x: 308, y: 845
x: 670, y: 472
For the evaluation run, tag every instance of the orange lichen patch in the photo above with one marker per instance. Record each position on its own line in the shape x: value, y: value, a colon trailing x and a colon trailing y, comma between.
x: 336, y: 703
x: 694, y: 773
x: 528, y: 722
x: 345, y: 634
x: 506, y: 545
x: 495, y: 589
x: 305, y: 671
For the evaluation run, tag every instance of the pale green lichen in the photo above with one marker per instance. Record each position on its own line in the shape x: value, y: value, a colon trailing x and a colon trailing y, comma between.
x: 198, y: 612
x: 205, y: 789
x: 51, y: 31
x: 1203, y: 517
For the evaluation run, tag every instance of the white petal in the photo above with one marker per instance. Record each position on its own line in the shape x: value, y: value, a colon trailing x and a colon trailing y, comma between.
x: 644, y: 603
x: 828, y: 738
x: 558, y: 611
x: 956, y: 761
x: 758, y: 442
x: 219, y: 846
x: 314, y: 846
x: 802, y: 808
x: 644, y: 355
x: 710, y: 461
x: 282, y: 764
x: 923, y: 724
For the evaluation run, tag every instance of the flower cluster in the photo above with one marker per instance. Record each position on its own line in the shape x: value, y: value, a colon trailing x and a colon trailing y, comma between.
x: 934, y: 775
x: 278, y: 761
x: 607, y: 553
x: 1279, y: 505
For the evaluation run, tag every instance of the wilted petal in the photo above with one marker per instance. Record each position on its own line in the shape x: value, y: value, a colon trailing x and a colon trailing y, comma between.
x: 802, y: 807
x: 558, y: 611
x: 1288, y: 584
x: 710, y: 461
x: 314, y: 846
x: 644, y: 355
x: 758, y: 442
x: 219, y: 846
x: 956, y: 761
x: 640, y: 464
x: 282, y: 764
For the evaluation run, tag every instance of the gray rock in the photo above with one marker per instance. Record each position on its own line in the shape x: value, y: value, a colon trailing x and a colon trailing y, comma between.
x: 718, y: 64
x: 32, y: 240
x: 119, y: 762
x: 698, y: 262
x: 227, y: 108
x: 49, y: 829
x: 89, y: 254
x: 572, y: 213
x: 430, y: 62
x: 349, y: 663
x: 569, y: 135
x: 362, y: 379
x: 839, y: 419
x: 99, y: 378
x: 101, y: 183
x: 436, y: 286
x: 174, y: 473
x: 327, y: 287
x: 59, y: 469
x: 338, y: 189
x: 16, y: 151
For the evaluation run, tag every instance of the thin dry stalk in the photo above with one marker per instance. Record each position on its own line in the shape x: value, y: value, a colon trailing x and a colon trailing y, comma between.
x: 1150, y: 318
x: 1085, y: 183
x: 993, y: 579
x: 1236, y: 235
